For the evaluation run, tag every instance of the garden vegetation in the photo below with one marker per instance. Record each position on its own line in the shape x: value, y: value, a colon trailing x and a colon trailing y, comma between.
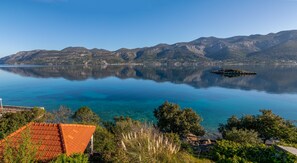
x: 128, y: 140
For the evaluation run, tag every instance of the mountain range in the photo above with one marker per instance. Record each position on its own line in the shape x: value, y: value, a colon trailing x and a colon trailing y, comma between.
x: 270, y: 48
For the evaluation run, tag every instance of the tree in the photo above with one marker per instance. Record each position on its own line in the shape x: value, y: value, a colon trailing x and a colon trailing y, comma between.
x: 170, y: 118
x: 122, y: 125
x: 10, y: 122
x: 268, y: 125
x: 22, y: 150
x: 104, y: 144
x: 62, y: 115
x: 86, y: 116
x: 242, y: 136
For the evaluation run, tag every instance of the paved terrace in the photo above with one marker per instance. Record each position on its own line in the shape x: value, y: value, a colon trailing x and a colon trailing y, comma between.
x: 14, y: 109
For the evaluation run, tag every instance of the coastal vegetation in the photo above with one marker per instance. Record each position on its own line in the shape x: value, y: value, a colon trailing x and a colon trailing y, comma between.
x: 172, y: 119
x: 75, y: 158
x: 230, y: 151
x: 9, y: 122
x: 268, y: 126
x: 128, y: 140
x: 25, y: 152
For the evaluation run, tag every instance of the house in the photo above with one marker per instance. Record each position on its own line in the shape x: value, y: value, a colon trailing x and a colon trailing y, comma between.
x: 54, y: 139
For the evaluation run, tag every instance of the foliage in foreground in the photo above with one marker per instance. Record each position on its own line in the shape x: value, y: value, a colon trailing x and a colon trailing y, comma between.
x: 125, y: 139
x: 146, y: 144
x: 10, y: 122
x: 243, y: 136
x: 268, y: 126
x: 104, y: 144
x: 85, y: 115
x: 171, y: 118
x: 121, y: 125
x: 22, y: 151
x: 229, y: 151
x: 75, y: 158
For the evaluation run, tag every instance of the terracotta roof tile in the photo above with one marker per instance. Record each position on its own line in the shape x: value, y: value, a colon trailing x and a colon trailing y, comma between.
x: 76, y: 137
x: 55, y: 139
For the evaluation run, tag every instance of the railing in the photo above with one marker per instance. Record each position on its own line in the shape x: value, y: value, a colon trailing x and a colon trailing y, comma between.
x: 20, y: 107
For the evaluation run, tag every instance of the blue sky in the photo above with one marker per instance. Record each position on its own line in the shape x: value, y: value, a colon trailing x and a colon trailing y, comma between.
x: 113, y: 24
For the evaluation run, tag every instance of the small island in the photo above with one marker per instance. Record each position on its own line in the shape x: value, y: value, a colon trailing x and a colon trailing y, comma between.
x: 232, y: 72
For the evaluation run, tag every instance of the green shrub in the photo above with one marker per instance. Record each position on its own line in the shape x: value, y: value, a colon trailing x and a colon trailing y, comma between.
x: 21, y: 150
x: 75, y: 158
x: 229, y: 151
x: 268, y: 126
x: 171, y: 118
x: 242, y: 136
x: 104, y: 144
x: 124, y: 125
x: 173, y: 137
x: 85, y: 115
x: 10, y: 122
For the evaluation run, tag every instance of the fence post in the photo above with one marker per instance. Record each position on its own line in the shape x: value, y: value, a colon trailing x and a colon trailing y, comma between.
x: 1, y: 106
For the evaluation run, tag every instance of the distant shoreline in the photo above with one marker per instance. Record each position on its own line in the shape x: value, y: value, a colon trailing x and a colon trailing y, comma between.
x: 175, y: 64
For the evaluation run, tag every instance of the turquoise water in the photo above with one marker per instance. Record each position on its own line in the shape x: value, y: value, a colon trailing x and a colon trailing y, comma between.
x: 135, y: 92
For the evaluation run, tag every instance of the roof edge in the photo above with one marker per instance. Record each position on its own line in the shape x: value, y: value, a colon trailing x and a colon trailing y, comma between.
x: 62, y: 139
x: 78, y: 125
x: 16, y: 132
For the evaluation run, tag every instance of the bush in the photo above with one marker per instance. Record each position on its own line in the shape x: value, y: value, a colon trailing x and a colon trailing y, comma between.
x: 104, y: 144
x: 10, y: 122
x: 85, y: 115
x: 268, y: 125
x: 170, y: 118
x: 229, y: 151
x: 123, y: 125
x: 146, y: 144
x: 242, y: 136
x: 173, y: 137
x: 75, y: 158
x: 21, y: 150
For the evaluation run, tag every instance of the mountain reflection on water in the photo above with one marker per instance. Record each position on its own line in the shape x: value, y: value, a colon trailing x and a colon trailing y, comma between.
x: 271, y: 79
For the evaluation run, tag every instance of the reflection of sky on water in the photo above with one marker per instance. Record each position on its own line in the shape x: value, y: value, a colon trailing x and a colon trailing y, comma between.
x: 137, y: 98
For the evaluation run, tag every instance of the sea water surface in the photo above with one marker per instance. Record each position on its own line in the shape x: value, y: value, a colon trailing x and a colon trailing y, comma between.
x: 137, y: 91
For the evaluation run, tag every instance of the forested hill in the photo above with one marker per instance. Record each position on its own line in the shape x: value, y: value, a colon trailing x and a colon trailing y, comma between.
x: 273, y: 47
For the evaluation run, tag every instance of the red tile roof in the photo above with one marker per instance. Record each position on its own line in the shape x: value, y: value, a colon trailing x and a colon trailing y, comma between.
x: 55, y: 139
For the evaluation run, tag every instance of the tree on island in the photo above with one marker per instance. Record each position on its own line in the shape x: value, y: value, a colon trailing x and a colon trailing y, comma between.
x: 172, y: 119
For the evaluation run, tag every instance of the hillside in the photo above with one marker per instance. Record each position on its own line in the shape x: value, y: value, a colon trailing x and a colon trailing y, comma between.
x: 272, y: 47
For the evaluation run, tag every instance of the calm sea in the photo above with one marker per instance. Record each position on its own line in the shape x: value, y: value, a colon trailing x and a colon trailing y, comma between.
x: 137, y: 91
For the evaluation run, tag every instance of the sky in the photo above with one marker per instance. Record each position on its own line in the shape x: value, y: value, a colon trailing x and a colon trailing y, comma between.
x: 114, y: 24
